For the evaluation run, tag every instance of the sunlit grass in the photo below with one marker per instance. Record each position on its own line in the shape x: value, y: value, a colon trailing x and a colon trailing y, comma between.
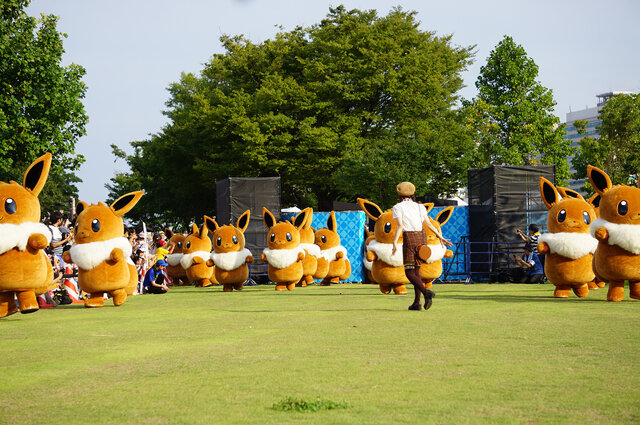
x: 482, y: 354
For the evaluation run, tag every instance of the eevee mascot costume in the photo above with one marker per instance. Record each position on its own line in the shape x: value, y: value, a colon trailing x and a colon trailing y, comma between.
x: 307, y: 242
x: 283, y: 254
x: 175, y: 269
x: 568, y: 246
x: 617, y: 257
x: 25, y: 270
x: 230, y: 257
x: 387, y: 270
x: 196, y: 254
x: 333, y: 256
x: 433, y: 252
x: 102, y: 253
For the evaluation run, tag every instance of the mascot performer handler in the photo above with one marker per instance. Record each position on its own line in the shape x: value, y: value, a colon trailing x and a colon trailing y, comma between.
x: 410, y: 217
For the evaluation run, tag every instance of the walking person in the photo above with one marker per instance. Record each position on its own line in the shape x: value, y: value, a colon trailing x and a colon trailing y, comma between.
x: 409, y: 216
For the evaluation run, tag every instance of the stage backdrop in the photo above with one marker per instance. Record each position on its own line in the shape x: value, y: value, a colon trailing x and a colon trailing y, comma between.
x: 351, y: 230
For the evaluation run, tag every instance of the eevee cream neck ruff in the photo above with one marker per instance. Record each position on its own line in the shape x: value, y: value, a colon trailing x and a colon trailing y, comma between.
x: 330, y: 253
x: 570, y: 245
x: 187, y: 259
x: 89, y: 255
x: 230, y: 260
x: 383, y: 252
x: 282, y: 258
x: 626, y: 236
x: 17, y: 235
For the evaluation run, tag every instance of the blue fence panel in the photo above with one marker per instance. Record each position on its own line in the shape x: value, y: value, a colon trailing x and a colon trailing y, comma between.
x: 351, y: 226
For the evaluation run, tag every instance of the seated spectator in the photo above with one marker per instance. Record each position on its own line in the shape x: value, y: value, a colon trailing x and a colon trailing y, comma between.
x: 154, y: 278
x: 530, y: 270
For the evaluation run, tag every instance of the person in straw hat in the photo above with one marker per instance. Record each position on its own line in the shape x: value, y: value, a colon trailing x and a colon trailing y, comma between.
x: 409, y: 216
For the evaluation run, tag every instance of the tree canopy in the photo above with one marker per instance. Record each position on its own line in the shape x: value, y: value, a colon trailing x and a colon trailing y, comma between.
x: 40, y: 102
x: 617, y: 150
x: 345, y: 108
x: 512, y: 116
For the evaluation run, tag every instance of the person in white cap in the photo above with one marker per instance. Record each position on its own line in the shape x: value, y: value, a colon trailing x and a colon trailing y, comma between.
x: 410, y: 216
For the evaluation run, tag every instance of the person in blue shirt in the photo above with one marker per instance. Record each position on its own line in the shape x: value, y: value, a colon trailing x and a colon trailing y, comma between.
x: 154, y: 278
x: 531, y: 265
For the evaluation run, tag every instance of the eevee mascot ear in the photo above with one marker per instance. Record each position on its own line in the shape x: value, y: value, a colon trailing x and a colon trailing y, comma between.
x: 307, y: 242
x: 175, y: 269
x: 387, y: 269
x: 617, y: 257
x: 433, y: 252
x: 283, y: 253
x: 333, y: 256
x: 568, y: 246
x: 230, y: 257
x: 196, y: 255
x: 25, y: 269
x: 102, y: 253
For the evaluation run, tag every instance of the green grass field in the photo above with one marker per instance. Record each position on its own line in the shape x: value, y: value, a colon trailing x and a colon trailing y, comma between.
x: 505, y: 354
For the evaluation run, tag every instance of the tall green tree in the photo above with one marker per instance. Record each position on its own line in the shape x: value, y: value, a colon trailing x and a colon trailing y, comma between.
x: 40, y: 102
x: 512, y: 116
x: 617, y: 150
x: 314, y: 106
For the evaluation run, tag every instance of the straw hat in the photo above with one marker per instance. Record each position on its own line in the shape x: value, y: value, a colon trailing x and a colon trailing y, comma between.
x: 406, y: 189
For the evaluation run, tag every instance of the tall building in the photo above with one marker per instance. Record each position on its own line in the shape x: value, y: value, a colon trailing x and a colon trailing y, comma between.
x: 592, y: 116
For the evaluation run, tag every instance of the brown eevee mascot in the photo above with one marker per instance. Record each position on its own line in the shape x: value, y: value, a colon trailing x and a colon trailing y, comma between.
x: 25, y: 269
x: 307, y: 242
x: 433, y: 252
x: 568, y: 246
x: 617, y: 257
x: 102, y: 253
x: 283, y: 252
x: 593, y: 201
x: 196, y: 254
x: 333, y: 256
x: 230, y: 257
x: 175, y: 269
x: 387, y: 269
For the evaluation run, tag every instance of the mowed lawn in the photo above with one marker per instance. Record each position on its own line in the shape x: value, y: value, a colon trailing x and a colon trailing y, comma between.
x: 484, y: 353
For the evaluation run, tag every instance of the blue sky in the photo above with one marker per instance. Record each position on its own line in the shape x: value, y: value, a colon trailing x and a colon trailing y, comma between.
x: 132, y: 50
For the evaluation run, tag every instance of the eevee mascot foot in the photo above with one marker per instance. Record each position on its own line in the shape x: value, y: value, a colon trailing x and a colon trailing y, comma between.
x: 102, y: 253
x: 25, y: 270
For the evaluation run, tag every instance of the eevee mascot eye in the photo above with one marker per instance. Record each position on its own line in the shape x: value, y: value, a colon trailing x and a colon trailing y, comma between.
x: 25, y: 269
x: 102, y: 253
x: 196, y: 255
x: 175, y: 269
x: 283, y: 253
x: 387, y: 269
x: 333, y: 256
x: 229, y: 255
x: 307, y: 242
x: 433, y: 252
x: 568, y: 246
x: 617, y: 257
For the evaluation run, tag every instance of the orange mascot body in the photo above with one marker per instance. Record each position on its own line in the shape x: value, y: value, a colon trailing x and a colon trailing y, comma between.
x: 196, y: 254
x: 230, y: 257
x: 387, y: 269
x: 102, y: 253
x: 433, y: 252
x: 617, y: 257
x: 175, y: 269
x: 25, y: 270
x: 368, y: 264
x: 568, y: 246
x: 283, y: 253
x: 333, y: 256
x: 307, y: 242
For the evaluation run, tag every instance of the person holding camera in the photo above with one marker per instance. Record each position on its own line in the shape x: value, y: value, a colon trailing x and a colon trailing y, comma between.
x: 530, y: 267
x: 154, y: 278
x: 58, y: 238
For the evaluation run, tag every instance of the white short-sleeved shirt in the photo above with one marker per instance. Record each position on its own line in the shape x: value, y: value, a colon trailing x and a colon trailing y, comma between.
x: 410, y: 214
